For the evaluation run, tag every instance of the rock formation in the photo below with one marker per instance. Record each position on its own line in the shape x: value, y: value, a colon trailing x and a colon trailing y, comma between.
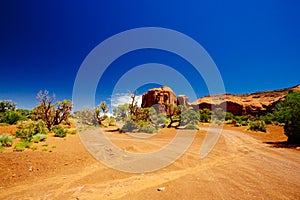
x: 183, y: 100
x: 159, y: 97
x: 257, y: 103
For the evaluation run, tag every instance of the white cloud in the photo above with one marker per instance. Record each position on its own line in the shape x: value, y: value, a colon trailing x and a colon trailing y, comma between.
x: 122, y: 98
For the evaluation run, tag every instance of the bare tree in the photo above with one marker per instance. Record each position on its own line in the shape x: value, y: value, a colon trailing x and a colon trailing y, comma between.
x: 52, y: 113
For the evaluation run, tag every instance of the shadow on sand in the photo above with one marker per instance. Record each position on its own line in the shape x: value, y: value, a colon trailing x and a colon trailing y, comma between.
x: 114, y: 130
x: 283, y: 144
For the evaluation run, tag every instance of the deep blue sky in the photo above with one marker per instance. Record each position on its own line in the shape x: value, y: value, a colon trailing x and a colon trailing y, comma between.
x: 255, y: 44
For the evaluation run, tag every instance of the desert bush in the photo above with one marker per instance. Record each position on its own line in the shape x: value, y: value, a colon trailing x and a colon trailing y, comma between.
x: 103, y: 125
x: 38, y: 138
x: 189, y: 117
x: 244, y: 123
x: 218, y: 122
x: 142, y: 123
x: 27, y: 131
x: 11, y: 117
x: 59, y: 131
x: 269, y: 118
x: 191, y: 127
x: 242, y: 120
x: 258, y: 125
x: 24, y: 112
x: 121, y: 112
x: 219, y: 114
x: 6, y: 105
x: 229, y: 121
x: 129, y: 126
x: 229, y: 116
x: 45, y: 149
x: 33, y: 148
x: 278, y: 123
x: 111, y: 121
x: 86, y: 116
x: 288, y: 112
x: 161, y: 119
x: 147, y: 129
x: 72, y: 132
x: 6, y: 140
x: 205, y: 115
x: 21, y: 146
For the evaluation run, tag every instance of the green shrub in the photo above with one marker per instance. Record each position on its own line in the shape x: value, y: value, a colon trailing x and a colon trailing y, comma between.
x: 191, y: 127
x: 237, y: 124
x: 242, y: 120
x: 229, y: 116
x: 142, y: 123
x: 189, y: 117
x: 111, y: 121
x: 72, y: 132
x: 59, y: 131
x: 238, y: 118
x: 38, y: 137
x: 269, y: 118
x: 33, y: 148
x: 147, y: 129
x: 219, y: 114
x: 103, y: 125
x: 258, y: 126
x: 288, y: 112
x: 161, y: 119
x: 244, y: 123
x: 205, y: 115
x: 278, y: 123
x: 229, y: 121
x: 218, y: 122
x: 129, y: 126
x: 6, y: 140
x: 22, y: 145
x: 44, y: 149
x: 11, y: 117
x: 27, y: 131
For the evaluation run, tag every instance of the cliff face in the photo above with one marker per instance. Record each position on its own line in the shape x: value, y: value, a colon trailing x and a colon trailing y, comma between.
x: 257, y: 103
x: 159, y: 97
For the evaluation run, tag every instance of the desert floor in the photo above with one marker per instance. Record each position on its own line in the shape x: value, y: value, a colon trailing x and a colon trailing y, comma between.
x: 242, y: 165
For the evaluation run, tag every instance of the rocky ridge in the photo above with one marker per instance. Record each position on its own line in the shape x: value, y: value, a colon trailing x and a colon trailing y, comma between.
x: 257, y: 103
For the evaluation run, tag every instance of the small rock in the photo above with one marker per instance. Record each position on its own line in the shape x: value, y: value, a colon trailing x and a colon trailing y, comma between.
x: 298, y: 148
x: 161, y: 189
x: 30, y: 169
x: 13, y: 175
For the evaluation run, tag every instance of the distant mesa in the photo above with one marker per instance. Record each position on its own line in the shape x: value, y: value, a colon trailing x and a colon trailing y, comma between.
x: 258, y: 103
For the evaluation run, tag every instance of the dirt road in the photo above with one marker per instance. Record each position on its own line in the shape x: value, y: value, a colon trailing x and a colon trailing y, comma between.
x: 239, y: 167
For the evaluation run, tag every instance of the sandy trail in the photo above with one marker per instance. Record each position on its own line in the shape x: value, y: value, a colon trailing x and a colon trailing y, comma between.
x: 239, y: 167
